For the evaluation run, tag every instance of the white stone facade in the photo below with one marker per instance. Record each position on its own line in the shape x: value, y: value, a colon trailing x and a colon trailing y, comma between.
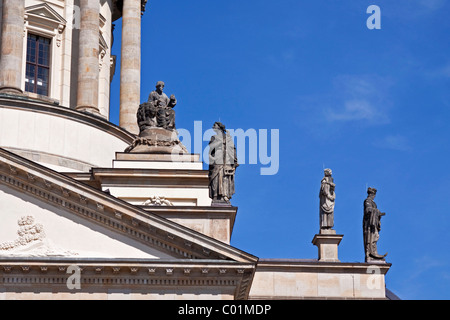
x: 135, y: 226
x: 59, y: 21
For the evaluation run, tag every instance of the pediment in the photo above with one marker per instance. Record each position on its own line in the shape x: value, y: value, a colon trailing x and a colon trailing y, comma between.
x: 79, y: 220
x: 34, y: 228
x: 46, y: 12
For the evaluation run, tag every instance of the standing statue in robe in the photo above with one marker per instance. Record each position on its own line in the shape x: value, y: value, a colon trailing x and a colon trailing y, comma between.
x: 222, y: 165
x: 327, y: 198
x: 372, y: 227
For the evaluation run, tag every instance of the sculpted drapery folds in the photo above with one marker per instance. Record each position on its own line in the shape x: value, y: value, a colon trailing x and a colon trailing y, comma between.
x: 222, y: 165
x: 327, y: 199
x: 371, y: 227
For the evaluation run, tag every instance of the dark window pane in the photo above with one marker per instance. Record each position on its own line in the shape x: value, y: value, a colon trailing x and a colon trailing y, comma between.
x: 44, y: 52
x: 29, y: 78
x: 31, y: 49
x: 42, y: 81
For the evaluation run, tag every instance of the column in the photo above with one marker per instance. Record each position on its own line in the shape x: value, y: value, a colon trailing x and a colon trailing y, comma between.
x: 130, y: 65
x: 88, y: 64
x: 13, y: 12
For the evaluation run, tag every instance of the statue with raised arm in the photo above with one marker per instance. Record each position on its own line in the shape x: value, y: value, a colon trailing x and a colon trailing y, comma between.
x: 222, y: 165
x: 327, y: 198
x: 372, y: 227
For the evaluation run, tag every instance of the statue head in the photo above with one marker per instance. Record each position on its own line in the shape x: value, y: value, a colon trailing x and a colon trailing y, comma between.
x: 371, y: 192
x: 327, y: 172
x: 219, y: 126
x: 160, y: 85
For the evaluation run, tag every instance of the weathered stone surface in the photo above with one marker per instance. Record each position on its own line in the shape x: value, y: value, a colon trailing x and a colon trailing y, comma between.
x: 12, y: 46
x: 88, y: 57
x: 157, y: 140
x: 130, y: 68
x: 327, y: 244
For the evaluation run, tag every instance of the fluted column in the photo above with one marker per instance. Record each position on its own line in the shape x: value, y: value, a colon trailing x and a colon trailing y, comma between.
x: 130, y: 65
x: 88, y: 58
x: 12, y: 46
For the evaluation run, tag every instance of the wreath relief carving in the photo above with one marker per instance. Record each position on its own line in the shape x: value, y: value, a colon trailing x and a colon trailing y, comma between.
x: 32, y: 241
x: 28, y: 232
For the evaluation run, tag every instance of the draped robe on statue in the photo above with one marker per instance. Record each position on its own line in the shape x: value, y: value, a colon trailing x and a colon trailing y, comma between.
x: 371, y: 229
x: 327, y: 197
x: 222, y: 165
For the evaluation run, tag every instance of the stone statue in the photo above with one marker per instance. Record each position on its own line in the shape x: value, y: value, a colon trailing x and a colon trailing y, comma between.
x: 158, y: 110
x: 327, y: 198
x: 372, y: 227
x: 222, y: 166
x: 156, y: 121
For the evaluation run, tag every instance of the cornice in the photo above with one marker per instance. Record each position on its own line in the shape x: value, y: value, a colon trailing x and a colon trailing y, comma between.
x: 312, y: 265
x: 131, y: 273
x: 174, y: 178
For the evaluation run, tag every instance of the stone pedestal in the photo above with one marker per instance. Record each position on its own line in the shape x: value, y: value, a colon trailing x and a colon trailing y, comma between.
x: 327, y: 242
x: 220, y: 203
x: 158, y: 141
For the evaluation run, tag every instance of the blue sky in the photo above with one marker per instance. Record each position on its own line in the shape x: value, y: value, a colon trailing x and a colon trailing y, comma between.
x: 372, y: 105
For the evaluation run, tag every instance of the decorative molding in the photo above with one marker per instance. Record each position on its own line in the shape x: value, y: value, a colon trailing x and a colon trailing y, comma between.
x: 83, y: 199
x: 31, y: 177
x: 48, y: 184
x: 105, y: 273
x: 12, y: 169
x: 43, y: 18
x: 65, y: 192
x: 101, y: 56
x: 157, y: 201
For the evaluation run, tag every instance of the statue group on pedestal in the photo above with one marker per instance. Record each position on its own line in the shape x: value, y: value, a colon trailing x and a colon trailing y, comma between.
x: 156, y: 121
x: 158, y: 110
x: 371, y: 217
